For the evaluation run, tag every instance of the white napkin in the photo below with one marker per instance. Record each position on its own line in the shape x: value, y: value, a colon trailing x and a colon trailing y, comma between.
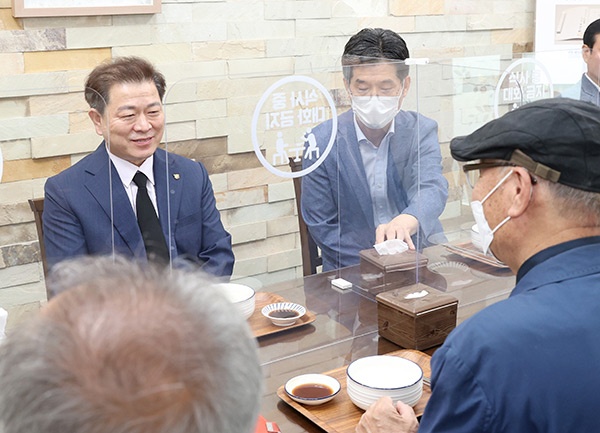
x: 3, y: 317
x: 417, y: 295
x: 391, y: 246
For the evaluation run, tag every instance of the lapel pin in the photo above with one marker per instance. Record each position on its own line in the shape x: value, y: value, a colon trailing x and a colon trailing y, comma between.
x: 176, y: 176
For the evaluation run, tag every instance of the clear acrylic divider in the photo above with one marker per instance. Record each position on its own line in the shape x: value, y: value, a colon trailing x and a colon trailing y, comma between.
x: 251, y: 133
x: 465, y: 93
x: 44, y: 130
x: 81, y: 206
x: 259, y: 136
x: 462, y: 95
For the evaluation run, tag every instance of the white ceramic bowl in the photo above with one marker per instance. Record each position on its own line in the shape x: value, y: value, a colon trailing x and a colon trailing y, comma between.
x: 475, y: 237
x: 283, y: 313
x: 312, y: 389
x: 373, y: 377
x: 364, y: 400
x: 243, y: 297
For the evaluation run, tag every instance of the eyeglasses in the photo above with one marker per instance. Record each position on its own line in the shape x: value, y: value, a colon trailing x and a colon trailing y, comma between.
x: 472, y: 170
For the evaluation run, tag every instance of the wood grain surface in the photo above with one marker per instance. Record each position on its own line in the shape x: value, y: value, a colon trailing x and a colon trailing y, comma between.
x: 262, y: 326
x: 340, y: 415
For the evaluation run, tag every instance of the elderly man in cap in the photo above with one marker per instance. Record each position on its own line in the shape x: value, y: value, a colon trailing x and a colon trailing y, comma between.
x: 527, y: 364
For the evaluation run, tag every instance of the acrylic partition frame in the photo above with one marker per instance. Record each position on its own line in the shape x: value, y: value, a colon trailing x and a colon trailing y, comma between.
x: 219, y: 118
x: 262, y: 122
x: 458, y: 94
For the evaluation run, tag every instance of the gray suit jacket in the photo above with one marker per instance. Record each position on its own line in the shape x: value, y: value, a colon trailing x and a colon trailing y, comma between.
x: 589, y: 92
x: 583, y: 90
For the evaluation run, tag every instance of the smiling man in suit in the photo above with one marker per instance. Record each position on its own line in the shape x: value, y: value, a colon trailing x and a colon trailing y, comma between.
x: 130, y: 197
x: 383, y: 177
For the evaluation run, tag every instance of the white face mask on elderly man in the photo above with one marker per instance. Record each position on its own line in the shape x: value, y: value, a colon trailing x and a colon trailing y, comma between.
x: 486, y: 234
x: 375, y: 111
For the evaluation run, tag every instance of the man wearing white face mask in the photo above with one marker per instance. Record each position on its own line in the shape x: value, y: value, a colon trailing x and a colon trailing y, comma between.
x: 383, y: 177
x: 526, y: 364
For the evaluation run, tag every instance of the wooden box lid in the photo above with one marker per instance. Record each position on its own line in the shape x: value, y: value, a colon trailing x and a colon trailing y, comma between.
x: 394, y: 262
x: 434, y: 299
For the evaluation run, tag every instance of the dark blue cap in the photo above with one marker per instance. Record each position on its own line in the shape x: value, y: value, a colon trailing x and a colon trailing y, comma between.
x: 557, y: 139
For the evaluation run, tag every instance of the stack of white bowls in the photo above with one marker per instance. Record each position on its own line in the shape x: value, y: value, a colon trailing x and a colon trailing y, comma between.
x: 243, y: 297
x: 373, y: 377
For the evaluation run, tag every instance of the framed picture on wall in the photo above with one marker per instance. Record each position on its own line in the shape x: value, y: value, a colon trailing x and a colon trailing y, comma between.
x: 559, y: 24
x: 51, y: 8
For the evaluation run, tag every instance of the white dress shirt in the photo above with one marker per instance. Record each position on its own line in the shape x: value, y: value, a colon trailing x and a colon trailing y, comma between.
x: 126, y: 172
x: 375, y: 161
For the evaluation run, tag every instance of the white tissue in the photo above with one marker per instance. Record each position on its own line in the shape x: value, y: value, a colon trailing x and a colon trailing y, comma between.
x: 3, y: 317
x: 416, y: 295
x: 391, y: 246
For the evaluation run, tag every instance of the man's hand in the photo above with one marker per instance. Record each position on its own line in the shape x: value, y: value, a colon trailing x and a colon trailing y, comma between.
x: 401, y: 227
x: 383, y: 417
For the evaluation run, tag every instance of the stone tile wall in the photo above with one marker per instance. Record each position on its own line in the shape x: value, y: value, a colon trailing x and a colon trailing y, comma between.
x: 231, y: 49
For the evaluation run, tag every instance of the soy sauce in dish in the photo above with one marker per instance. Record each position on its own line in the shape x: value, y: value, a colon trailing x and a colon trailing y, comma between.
x: 283, y: 314
x: 312, y: 390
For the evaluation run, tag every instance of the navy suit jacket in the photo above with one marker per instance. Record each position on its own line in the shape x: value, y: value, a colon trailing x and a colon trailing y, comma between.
x: 336, y: 200
x: 79, y: 219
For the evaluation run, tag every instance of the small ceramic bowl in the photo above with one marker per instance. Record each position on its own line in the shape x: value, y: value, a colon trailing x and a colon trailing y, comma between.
x: 475, y: 237
x: 243, y: 297
x: 283, y: 313
x: 312, y: 389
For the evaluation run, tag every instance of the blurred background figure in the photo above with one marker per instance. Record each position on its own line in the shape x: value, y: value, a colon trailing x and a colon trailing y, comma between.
x: 126, y: 348
x: 588, y: 88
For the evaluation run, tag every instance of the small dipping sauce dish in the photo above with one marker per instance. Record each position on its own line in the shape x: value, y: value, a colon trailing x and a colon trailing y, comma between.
x: 283, y: 313
x: 312, y: 389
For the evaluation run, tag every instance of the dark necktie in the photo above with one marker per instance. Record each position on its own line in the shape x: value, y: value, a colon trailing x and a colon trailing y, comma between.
x: 154, y: 240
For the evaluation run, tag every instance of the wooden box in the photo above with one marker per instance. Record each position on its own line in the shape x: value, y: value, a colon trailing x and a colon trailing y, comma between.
x: 418, y: 323
x: 382, y: 273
